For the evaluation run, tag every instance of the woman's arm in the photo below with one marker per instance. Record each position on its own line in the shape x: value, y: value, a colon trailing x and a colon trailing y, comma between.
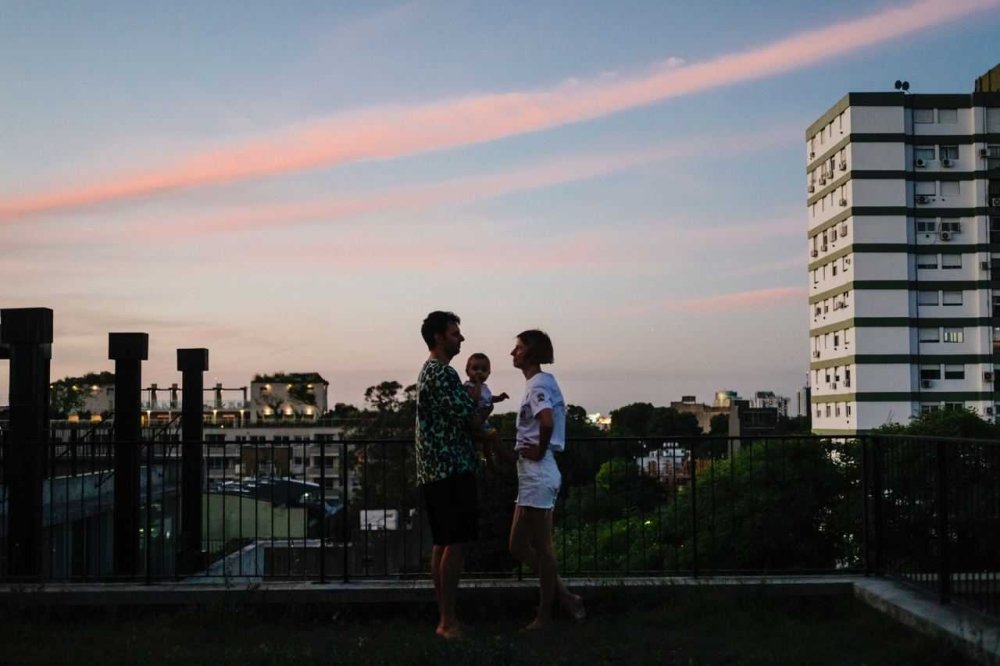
x: 545, y: 427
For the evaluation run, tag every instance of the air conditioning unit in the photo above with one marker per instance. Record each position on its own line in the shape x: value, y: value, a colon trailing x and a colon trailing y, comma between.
x: 946, y: 163
x: 919, y: 163
x: 814, y: 253
x: 995, y: 201
x: 926, y: 383
x: 984, y: 152
x: 989, y: 411
x: 922, y: 199
x: 816, y: 354
x: 985, y: 265
x: 843, y: 165
x: 945, y: 235
x: 988, y: 376
x: 843, y: 202
x: 812, y: 188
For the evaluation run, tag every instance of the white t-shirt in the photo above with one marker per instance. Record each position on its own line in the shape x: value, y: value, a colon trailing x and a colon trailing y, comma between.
x: 541, y: 392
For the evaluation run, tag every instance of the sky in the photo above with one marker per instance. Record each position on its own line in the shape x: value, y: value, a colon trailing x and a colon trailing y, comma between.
x: 294, y: 186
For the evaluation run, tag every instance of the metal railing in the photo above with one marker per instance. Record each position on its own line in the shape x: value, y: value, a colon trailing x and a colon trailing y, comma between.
x: 922, y: 510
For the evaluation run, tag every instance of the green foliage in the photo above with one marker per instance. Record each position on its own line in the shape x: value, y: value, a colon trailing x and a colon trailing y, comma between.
x: 641, y: 419
x: 945, y: 423
x: 780, y: 504
x: 719, y: 425
x: 67, y: 395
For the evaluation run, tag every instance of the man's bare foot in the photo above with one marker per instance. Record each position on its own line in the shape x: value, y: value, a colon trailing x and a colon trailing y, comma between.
x: 453, y: 632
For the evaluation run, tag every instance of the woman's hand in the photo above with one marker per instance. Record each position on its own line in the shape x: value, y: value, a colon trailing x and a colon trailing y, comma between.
x: 533, y: 453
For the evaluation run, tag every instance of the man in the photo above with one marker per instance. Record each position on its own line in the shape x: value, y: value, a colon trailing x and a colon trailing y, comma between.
x: 446, y: 461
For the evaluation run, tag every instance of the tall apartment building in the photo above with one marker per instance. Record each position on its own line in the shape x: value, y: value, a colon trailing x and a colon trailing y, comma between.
x: 904, y: 256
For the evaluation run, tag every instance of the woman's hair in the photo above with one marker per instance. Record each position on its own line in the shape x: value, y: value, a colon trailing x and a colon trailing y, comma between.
x: 539, y: 346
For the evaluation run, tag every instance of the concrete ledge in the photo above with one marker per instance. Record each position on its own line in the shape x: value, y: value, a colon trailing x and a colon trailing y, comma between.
x: 975, y: 634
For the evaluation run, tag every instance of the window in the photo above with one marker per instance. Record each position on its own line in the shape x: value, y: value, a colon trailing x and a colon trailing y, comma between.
x: 926, y: 225
x: 995, y: 229
x: 828, y: 410
x: 819, y: 412
x: 836, y: 409
x: 954, y: 335
x: 948, y: 152
x: 833, y: 269
x: 928, y: 407
x: 930, y: 334
x: 954, y: 372
x: 927, y: 297
x: 951, y: 297
x: 844, y: 262
x: 948, y: 116
x: 847, y: 380
x: 951, y: 261
x: 954, y: 406
x: 923, y: 115
x: 927, y: 261
x: 993, y: 120
x: 925, y: 153
x: 930, y: 372
x: 954, y: 226
x: 836, y: 340
x: 847, y: 409
x: 950, y: 188
x: 925, y: 188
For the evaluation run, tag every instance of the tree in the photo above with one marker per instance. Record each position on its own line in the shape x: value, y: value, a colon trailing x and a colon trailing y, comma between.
x: 641, y: 419
x: 719, y: 425
x: 67, y: 395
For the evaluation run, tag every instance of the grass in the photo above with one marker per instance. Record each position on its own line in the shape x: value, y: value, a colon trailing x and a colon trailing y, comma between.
x: 684, y: 628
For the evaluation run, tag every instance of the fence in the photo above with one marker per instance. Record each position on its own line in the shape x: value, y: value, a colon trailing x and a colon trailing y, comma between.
x: 922, y: 510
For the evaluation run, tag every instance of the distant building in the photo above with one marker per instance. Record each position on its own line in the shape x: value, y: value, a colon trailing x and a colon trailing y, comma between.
x: 725, y: 398
x: 745, y: 420
x: 293, y: 395
x: 763, y: 399
x: 667, y: 464
x: 601, y: 421
x: 903, y: 209
x: 689, y: 405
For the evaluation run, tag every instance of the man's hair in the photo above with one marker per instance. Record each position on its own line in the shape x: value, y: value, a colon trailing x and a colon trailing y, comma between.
x: 478, y: 356
x: 436, y: 323
x: 539, y: 346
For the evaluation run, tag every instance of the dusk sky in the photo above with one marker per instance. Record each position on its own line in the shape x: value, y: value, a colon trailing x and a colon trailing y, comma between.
x: 295, y: 185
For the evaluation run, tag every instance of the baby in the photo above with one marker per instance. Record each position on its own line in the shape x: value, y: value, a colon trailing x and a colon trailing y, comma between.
x: 477, y: 369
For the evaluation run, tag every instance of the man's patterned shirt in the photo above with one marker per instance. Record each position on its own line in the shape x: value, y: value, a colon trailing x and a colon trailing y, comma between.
x: 444, y: 445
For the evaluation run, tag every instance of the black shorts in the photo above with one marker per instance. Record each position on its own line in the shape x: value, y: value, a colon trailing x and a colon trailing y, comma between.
x: 452, y: 509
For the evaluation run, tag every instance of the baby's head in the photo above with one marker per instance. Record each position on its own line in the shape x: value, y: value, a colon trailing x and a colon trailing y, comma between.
x: 477, y: 368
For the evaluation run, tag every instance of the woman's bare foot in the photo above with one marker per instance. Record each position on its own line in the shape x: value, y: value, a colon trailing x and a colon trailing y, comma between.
x: 573, y: 605
x: 538, y: 624
x: 451, y: 632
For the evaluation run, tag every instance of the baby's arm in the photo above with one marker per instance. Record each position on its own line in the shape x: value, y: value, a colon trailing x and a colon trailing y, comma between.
x: 499, y: 398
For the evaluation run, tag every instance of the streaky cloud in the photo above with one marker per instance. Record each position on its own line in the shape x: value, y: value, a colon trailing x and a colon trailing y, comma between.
x: 390, y: 132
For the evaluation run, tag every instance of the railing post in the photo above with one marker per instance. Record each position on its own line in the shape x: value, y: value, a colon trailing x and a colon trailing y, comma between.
x: 865, y: 501
x: 344, y: 511
x: 877, y: 512
x: 192, y: 364
x: 128, y: 351
x: 322, y: 508
x: 944, y: 565
x: 694, y: 512
x: 27, y: 338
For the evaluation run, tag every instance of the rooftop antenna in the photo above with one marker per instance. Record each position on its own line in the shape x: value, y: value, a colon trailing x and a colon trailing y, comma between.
x: 904, y: 86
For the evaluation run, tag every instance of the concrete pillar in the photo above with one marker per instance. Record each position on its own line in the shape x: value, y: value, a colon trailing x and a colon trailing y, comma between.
x: 192, y: 363
x: 128, y: 351
x: 26, y: 339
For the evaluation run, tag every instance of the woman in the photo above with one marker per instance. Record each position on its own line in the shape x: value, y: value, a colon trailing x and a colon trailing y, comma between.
x: 541, y: 430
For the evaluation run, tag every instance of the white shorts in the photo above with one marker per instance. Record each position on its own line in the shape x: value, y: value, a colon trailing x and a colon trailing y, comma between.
x: 538, y: 482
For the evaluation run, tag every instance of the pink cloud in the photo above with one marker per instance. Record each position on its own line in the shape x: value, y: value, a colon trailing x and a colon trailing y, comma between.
x: 742, y: 300
x: 397, y: 131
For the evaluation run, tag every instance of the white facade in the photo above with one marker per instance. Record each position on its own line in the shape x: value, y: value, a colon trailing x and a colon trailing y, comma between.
x: 903, y: 191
